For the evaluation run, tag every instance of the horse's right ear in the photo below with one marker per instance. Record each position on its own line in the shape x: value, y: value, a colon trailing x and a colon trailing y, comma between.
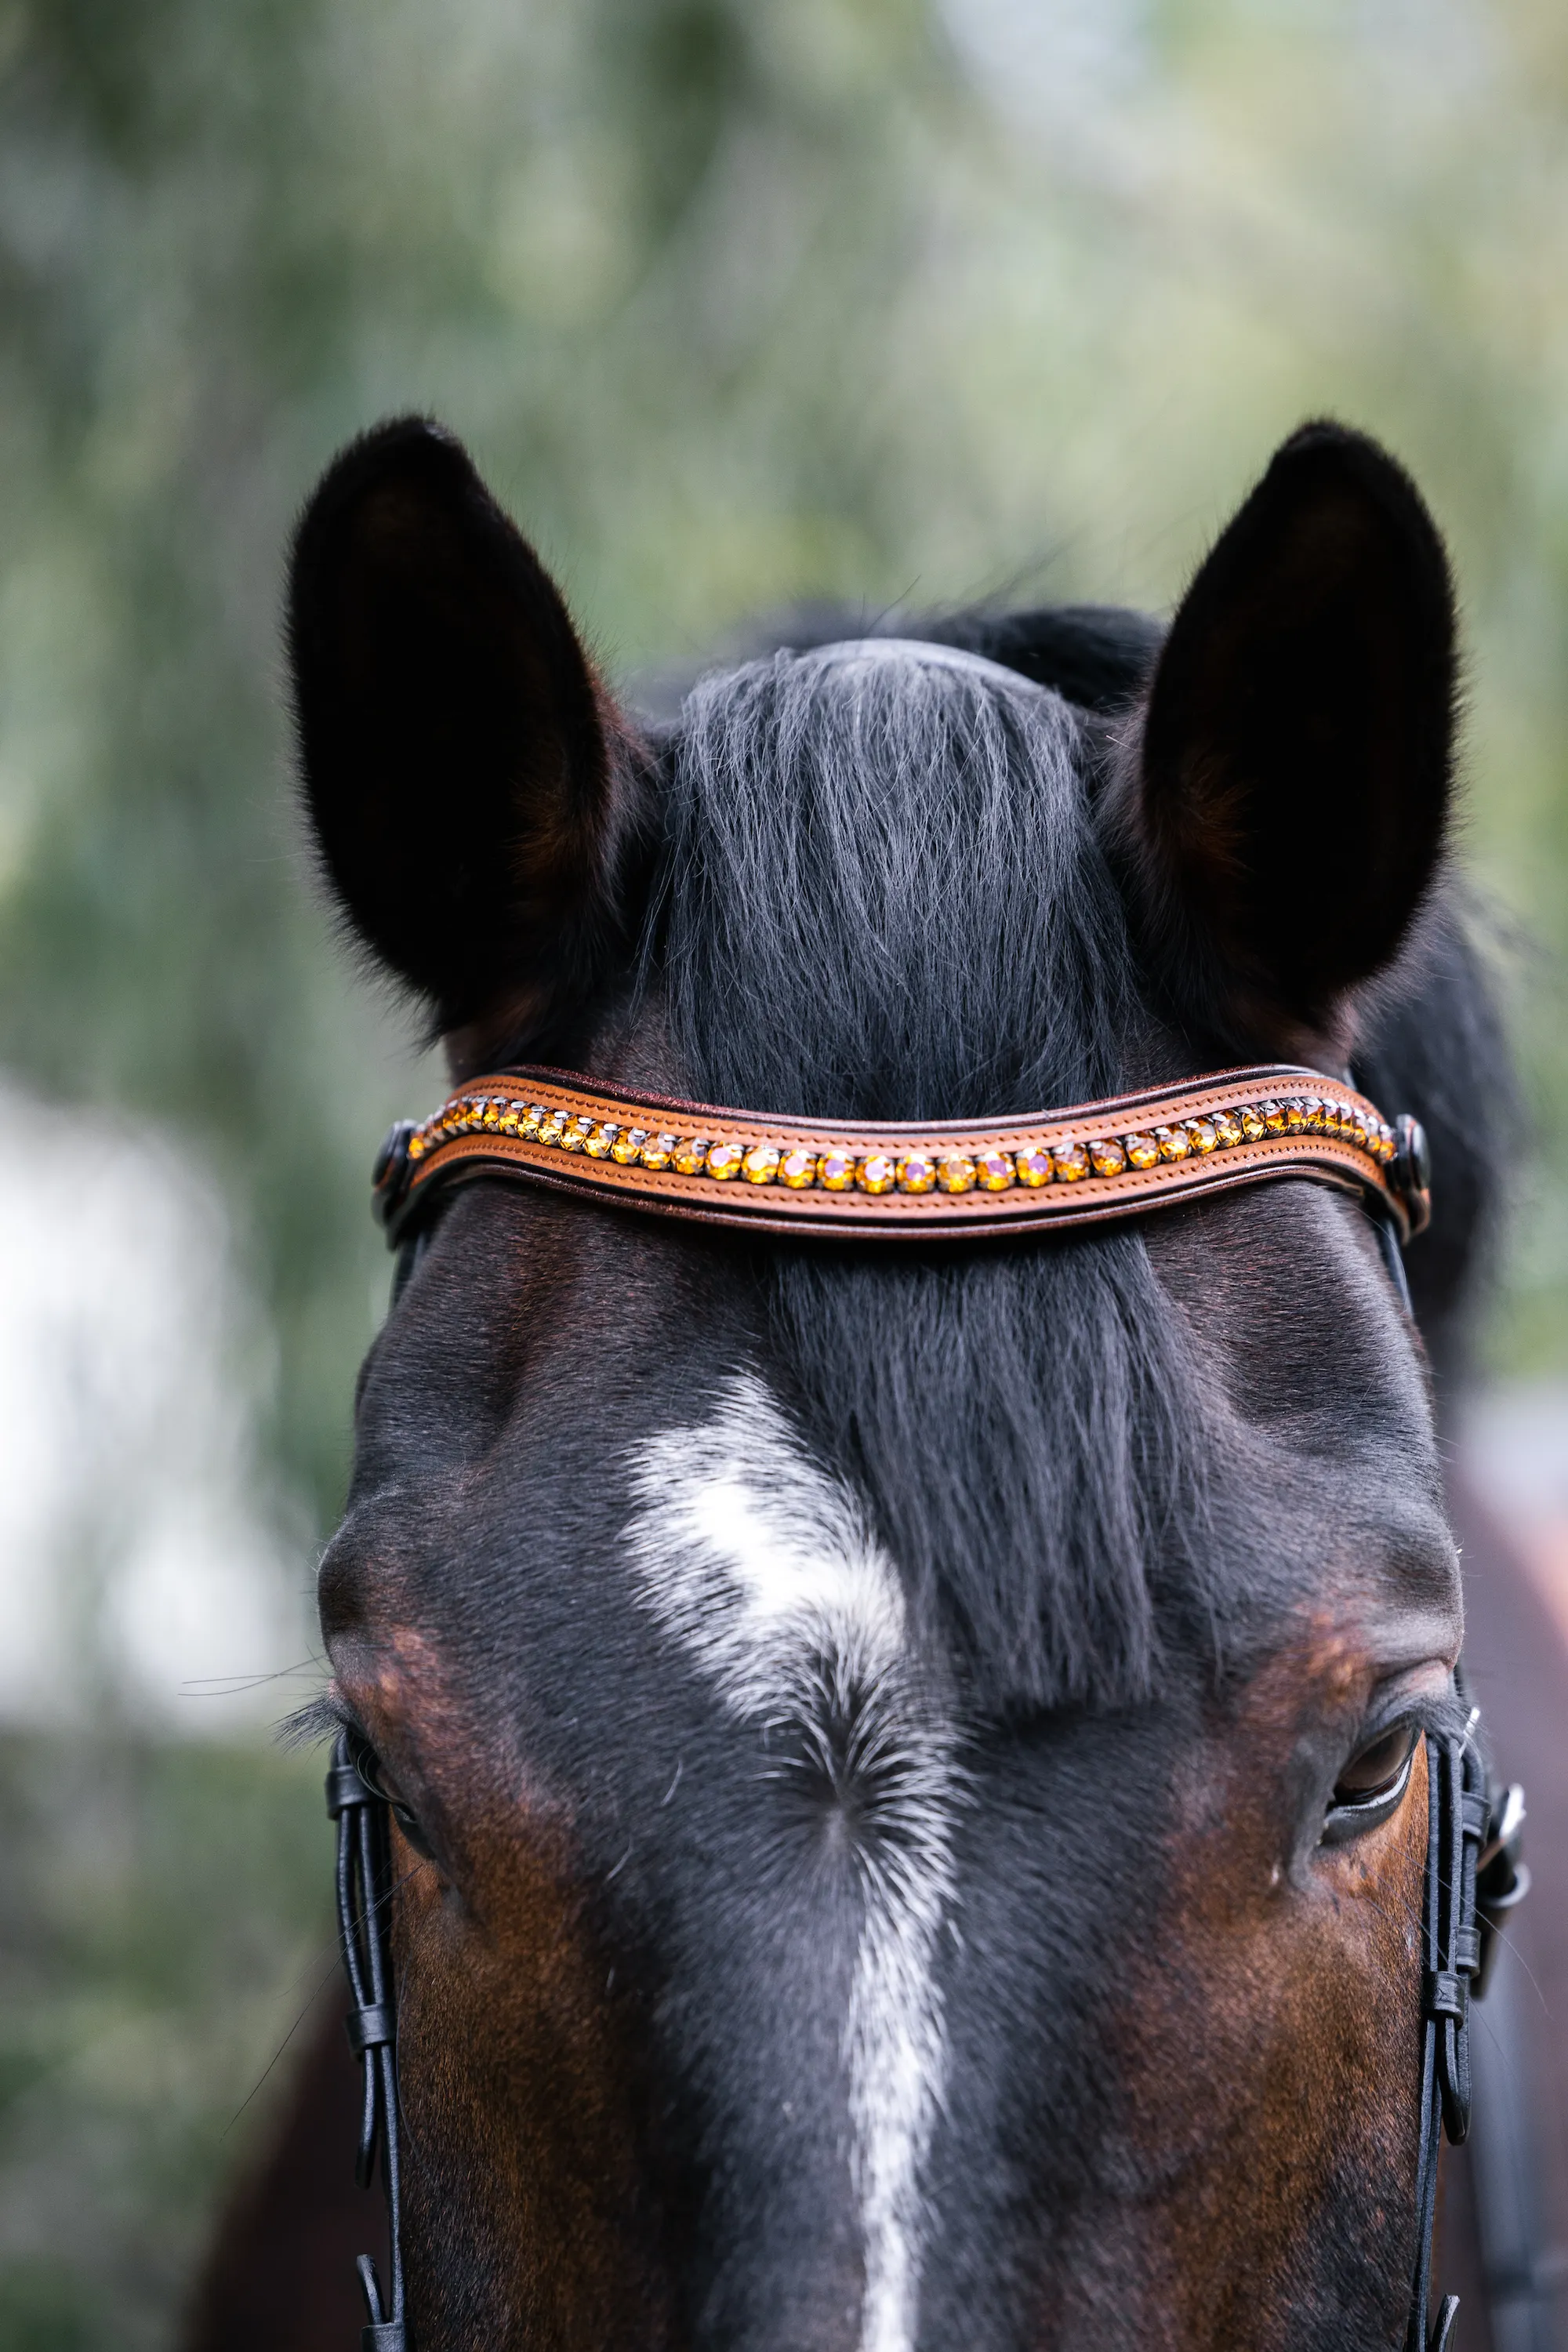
x: 1293, y: 781
x: 467, y: 779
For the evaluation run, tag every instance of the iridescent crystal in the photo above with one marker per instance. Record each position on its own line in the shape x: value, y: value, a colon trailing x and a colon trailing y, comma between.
x: 724, y: 1160
x: 877, y: 1172
x: 955, y: 1172
x: 916, y: 1172
x: 1106, y: 1156
x: 1070, y: 1164
x: 1034, y: 1166
x: 994, y: 1171
x: 761, y: 1164
x: 835, y: 1170
x: 797, y: 1169
x: 1141, y: 1150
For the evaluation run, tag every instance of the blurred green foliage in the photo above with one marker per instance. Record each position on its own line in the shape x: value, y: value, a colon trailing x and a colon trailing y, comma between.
x: 164, y: 1919
x: 735, y: 305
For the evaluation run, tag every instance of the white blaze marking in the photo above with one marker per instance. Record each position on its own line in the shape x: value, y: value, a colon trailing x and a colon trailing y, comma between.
x: 765, y: 1569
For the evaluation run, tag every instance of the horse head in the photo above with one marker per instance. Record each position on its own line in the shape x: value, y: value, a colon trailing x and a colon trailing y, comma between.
x: 911, y: 1805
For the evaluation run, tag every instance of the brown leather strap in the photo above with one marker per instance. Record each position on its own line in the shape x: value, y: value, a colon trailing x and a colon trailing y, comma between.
x: 942, y: 1180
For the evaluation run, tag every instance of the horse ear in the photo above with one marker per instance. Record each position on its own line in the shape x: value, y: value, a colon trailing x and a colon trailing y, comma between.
x: 1293, y: 793
x: 465, y: 777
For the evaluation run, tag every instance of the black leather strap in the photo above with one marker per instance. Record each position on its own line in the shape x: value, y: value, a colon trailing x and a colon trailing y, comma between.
x: 1454, y: 1933
x: 364, y: 1894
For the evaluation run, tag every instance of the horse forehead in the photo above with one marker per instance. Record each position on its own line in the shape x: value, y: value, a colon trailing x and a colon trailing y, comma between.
x: 754, y: 1558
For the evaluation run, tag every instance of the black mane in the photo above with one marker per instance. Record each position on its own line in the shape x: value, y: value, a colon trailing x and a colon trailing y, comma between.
x: 886, y: 896
x: 887, y: 899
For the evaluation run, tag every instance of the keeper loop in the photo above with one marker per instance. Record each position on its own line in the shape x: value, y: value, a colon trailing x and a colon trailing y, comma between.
x: 1446, y: 1995
x: 369, y: 2028
x: 345, y: 1789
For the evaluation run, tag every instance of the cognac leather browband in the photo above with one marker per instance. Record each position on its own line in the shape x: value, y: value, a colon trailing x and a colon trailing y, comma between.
x: 941, y: 1180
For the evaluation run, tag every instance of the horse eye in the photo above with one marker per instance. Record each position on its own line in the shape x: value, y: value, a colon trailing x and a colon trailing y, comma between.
x: 1376, y: 1770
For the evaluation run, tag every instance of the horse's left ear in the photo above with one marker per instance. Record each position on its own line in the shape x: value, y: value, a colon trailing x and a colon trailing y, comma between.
x: 1290, y: 803
x: 466, y: 778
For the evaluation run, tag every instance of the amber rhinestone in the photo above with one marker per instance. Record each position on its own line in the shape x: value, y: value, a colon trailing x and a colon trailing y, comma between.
x: 551, y: 1127
x: 602, y: 1142
x: 956, y: 1173
x: 533, y: 1119
x: 761, y: 1164
x: 489, y: 1114
x: 1227, y: 1128
x: 416, y: 1146
x: 1312, y: 1114
x: 1202, y: 1134
x: 724, y: 1160
x: 994, y: 1171
x: 690, y: 1155
x: 797, y: 1169
x: 1252, y: 1125
x: 1105, y: 1156
x: 1172, y: 1142
x: 1070, y: 1164
x: 877, y: 1172
x: 658, y: 1151
x: 1295, y: 1116
x: 576, y: 1134
x: 1141, y: 1150
x: 507, y: 1122
x: 1273, y: 1116
x: 1034, y: 1167
x: 916, y: 1173
x: 835, y: 1170
x: 1339, y: 1118
x: 627, y: 1146
x: 1385, y: 1145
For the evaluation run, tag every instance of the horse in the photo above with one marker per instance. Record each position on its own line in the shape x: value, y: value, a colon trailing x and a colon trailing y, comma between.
x: 908, y: 1763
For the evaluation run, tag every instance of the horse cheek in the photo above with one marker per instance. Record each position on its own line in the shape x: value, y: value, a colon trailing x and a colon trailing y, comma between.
x: 527, y: 2217
x: 1271, y: 2072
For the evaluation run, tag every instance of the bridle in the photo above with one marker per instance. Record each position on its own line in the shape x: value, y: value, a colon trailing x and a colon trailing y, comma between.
x: 943, y: 1181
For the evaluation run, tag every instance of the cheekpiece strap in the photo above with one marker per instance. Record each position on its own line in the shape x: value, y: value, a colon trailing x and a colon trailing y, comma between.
x: 908, y: 1181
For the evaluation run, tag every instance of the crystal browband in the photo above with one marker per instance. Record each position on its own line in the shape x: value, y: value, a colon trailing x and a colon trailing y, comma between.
x: 899, y: 1181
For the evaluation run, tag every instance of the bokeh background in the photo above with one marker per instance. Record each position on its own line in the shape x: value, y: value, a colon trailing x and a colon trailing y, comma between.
x: 736, y: 305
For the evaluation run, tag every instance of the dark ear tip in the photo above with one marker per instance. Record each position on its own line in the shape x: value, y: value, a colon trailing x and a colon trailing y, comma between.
x: 1341, y: 454
x: 413, y: 449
